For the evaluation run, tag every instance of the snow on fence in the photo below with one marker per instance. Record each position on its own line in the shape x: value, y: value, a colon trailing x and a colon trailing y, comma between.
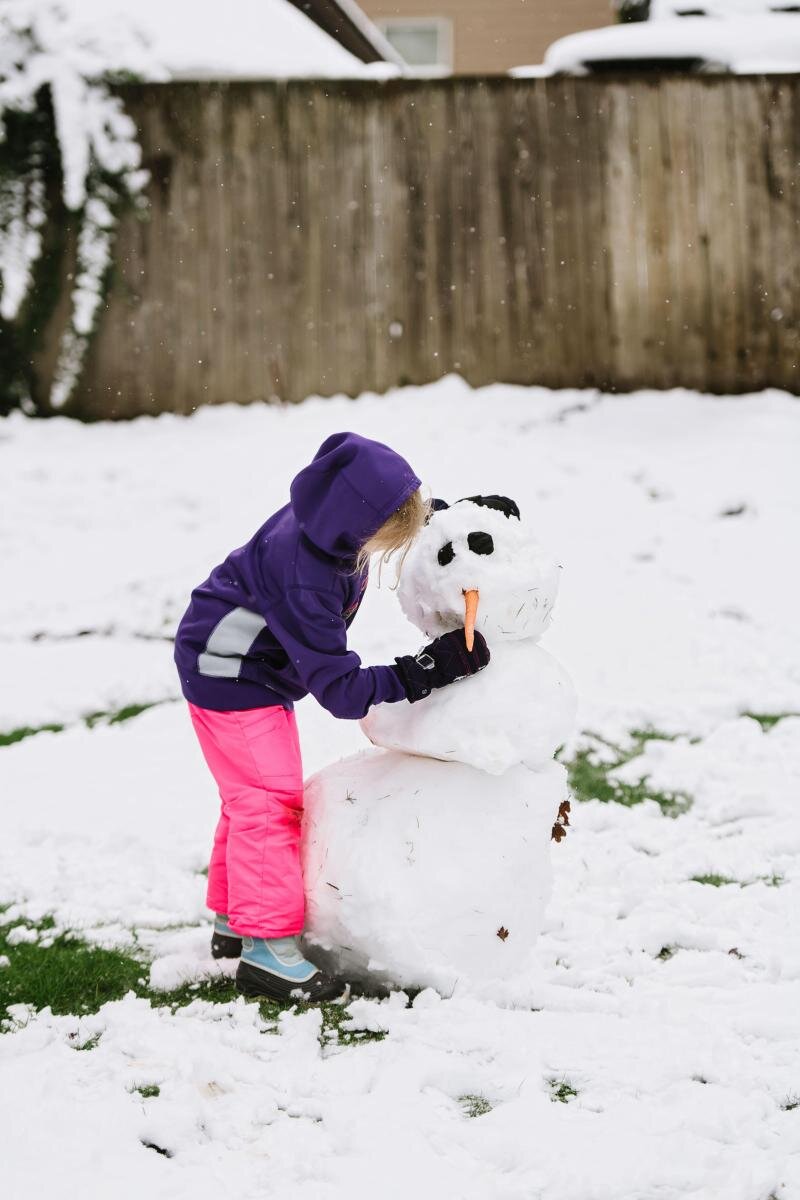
x: 317, y: 237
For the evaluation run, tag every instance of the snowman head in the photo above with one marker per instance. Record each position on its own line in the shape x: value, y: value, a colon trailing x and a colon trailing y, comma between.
x: 476, y: 561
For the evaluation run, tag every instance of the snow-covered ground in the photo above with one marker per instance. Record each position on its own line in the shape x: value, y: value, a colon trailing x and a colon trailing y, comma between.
x: 675, y: 518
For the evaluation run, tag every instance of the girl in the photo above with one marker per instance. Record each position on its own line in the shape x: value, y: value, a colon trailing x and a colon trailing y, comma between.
x: 267, y: 627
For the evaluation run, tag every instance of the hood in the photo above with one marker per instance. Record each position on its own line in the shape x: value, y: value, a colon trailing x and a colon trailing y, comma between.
x: 348, y: 491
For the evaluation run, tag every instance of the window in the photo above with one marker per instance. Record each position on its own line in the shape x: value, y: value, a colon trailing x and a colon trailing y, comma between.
x: 426, y: 43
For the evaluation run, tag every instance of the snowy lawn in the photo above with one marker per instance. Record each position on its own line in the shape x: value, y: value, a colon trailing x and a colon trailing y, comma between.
x: 655, y: 1053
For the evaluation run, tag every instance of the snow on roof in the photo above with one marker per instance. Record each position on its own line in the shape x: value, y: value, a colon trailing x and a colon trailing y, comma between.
x: 742, y: 45
x: 244, y: 39
x: 370, y: 30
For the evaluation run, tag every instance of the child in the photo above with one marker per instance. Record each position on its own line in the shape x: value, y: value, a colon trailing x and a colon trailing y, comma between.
x: 267, y: 627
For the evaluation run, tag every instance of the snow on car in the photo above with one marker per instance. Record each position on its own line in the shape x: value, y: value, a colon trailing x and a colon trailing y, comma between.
x: 743, y: 37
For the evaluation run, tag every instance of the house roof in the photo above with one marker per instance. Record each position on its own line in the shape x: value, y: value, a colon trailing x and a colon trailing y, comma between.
x: 350, y: 26
x: 254, y: 39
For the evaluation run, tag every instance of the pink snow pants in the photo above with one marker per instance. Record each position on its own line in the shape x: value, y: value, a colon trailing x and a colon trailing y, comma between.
x: 254, y: 875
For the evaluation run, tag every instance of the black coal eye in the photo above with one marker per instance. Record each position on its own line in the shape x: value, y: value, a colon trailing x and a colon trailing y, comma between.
x: 446, y: 554
x: 481, y: 543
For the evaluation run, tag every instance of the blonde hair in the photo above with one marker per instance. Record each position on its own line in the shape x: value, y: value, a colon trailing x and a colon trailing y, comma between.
x: 396, y: 534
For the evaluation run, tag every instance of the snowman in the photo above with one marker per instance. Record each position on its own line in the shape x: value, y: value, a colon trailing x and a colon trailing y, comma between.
x: 427, y: 858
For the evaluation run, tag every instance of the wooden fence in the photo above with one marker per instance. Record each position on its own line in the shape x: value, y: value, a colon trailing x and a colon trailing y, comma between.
x: 318, y: 237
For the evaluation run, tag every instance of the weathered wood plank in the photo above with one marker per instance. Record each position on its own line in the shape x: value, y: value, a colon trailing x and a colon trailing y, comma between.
x: 342, y: 236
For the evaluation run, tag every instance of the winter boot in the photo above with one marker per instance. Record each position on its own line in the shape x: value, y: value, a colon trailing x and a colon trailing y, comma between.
x: 224, y: 942
x: 275, y: 967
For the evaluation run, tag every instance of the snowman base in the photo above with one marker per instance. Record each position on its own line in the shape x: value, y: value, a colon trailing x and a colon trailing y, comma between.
x: 421, y: 873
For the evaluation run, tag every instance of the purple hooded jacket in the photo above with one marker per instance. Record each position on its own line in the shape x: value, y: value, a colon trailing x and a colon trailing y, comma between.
x: 269, y: 625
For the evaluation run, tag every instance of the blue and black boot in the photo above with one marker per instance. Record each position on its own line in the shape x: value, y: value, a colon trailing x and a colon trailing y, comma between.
x: 275, y: 967
x: 224, y: 942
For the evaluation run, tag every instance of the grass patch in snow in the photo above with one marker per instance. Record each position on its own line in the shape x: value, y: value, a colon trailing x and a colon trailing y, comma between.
x: 713, y: 880
x: 89, y: 1044
x: 768, y: 721
x: 561, y: 1092
x: 648, y: 734
x: 335, y: 1017
x: 221, y: 989
x: 590, y: 773
x: 148, y: 1091
x: 26, y: 731
x: 126, y: 713
x: 474, y: 1106
x: 69, y: 976
x: 791, y: 1103
x: 90, y: 720
x: 64, y: 974
x: 216, y: 989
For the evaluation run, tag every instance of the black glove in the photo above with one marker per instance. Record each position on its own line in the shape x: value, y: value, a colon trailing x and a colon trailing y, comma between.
x: 442, y: 662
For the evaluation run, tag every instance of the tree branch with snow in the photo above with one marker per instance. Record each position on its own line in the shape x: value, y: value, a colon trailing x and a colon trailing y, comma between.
x: 43, y: 48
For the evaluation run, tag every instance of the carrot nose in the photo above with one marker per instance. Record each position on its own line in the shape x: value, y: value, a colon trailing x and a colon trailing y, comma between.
x: 470, y: 613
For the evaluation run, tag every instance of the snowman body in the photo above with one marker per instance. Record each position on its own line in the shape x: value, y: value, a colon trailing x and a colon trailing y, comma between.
x: 519, y: 710
x: 427, y: 860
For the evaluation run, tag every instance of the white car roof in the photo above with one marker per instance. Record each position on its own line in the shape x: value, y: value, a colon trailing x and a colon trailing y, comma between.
x: 664, y: 9
x: 743, y: 45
